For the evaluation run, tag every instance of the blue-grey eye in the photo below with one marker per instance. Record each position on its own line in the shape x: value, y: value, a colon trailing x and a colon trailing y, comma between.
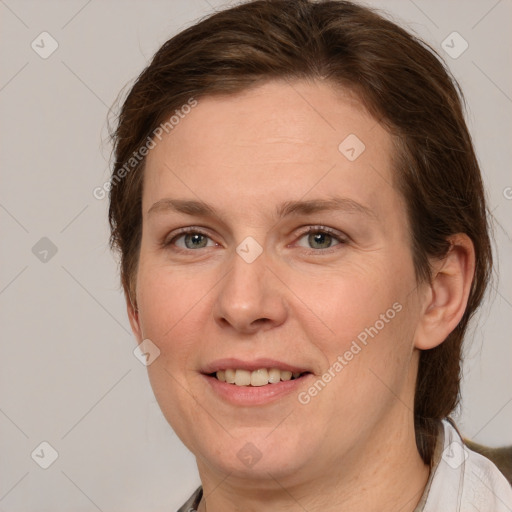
x: 318, y: 239
x: 195, y: 240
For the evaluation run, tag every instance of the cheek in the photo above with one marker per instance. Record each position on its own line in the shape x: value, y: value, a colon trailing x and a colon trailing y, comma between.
x: 171, y: 310
x: 168, y: 300
x: 176, y: 400
x: 370, y: 317
x: 169, y: 318
x: 353, y: 301
x: 376, y: 354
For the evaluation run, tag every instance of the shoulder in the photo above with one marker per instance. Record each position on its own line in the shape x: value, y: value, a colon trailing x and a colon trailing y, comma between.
x: 464, y: 479
x: 485, y: 485
x: 501, y: 457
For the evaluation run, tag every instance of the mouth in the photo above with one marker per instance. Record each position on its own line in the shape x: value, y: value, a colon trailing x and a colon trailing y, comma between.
x: 255, y: 382
x: 256, y: 378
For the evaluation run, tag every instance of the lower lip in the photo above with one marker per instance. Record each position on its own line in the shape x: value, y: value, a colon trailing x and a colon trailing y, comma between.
x: 255, y: 395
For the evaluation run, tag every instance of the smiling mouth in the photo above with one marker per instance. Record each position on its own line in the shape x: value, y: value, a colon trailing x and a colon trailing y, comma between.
x: 260, y: 377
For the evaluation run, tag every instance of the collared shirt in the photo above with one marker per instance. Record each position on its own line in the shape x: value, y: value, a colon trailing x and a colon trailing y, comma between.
x: 461, y: 480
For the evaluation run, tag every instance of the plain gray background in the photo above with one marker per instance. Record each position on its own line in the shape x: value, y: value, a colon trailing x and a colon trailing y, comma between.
x: 68, y: 373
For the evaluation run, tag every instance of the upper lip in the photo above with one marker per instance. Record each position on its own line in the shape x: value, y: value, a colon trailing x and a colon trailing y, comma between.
x: 255, y: 364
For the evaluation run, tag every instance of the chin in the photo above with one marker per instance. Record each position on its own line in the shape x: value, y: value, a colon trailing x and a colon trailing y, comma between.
x: 256, y: 455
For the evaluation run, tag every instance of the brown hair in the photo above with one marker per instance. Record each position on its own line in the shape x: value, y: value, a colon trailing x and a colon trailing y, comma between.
x: 402, y: 83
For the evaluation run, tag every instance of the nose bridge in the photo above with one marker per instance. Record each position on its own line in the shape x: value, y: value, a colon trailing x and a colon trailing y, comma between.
x: 248, y: 297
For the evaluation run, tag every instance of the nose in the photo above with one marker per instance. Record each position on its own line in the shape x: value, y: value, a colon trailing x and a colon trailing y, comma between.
x: 250, y: 297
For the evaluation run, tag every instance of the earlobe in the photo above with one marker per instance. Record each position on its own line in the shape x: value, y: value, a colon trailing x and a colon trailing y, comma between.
x: 133, y: 316
x: 448, y: 293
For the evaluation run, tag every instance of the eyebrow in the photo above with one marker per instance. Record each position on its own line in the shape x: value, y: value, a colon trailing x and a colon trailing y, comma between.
x: 202, y: 209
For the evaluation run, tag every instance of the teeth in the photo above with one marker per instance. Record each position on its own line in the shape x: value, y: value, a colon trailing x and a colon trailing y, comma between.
x: 242, y: 378
x: 286, y: 375
x: 260, y: 377
x: 274, y: 375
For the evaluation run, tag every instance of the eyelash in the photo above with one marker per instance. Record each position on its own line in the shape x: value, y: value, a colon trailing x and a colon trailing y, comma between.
x: 342, y: 239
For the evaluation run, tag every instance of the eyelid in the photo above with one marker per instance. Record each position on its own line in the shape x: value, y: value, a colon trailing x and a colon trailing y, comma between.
x: 183, y: 231
x: 342, y: 238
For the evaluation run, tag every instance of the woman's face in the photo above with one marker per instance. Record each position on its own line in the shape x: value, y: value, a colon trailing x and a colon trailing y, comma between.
x: 249, y: 288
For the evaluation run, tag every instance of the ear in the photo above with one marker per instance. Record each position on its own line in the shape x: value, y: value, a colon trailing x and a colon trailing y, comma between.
x: 133, y: 316
x: 447, y: 294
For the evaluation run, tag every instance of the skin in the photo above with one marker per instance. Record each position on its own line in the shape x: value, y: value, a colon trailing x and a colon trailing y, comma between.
x: 352, y: 447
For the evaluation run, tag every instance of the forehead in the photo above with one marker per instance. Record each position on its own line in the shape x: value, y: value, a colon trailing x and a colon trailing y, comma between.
x: 276, y: 141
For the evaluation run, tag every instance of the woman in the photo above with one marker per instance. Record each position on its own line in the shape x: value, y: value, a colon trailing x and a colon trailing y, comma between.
x: 304, y: 376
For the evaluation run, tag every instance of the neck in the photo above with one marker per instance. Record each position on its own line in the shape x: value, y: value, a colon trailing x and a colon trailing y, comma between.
x: 386, y: 476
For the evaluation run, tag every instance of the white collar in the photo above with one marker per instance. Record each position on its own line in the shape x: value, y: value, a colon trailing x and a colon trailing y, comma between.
x: 463, y: 480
